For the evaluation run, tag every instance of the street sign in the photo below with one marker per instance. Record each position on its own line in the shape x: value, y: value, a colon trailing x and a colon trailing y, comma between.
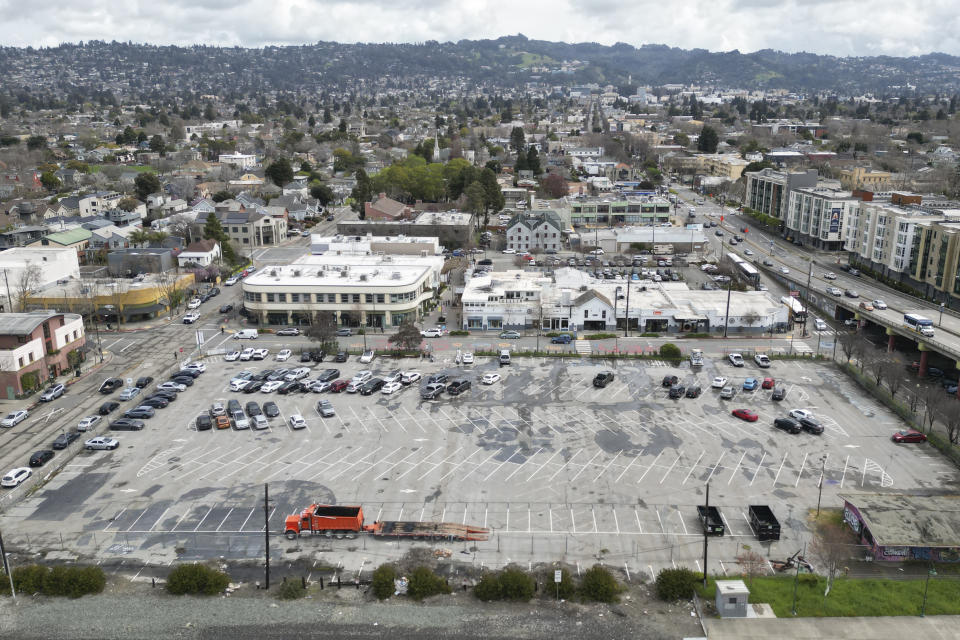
x: 557, y: 575
x: 129, y: 381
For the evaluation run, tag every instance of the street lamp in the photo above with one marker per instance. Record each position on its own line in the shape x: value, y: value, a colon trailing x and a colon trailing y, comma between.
x: 616, y: 297
x: 940, y: 321
x: 923, y: 608
x: 823, y: 464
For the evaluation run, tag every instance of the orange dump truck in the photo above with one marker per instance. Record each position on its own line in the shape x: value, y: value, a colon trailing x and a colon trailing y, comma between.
x: 347, y: 522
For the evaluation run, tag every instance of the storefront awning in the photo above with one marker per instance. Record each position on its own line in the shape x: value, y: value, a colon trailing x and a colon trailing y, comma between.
x: 684, y: 317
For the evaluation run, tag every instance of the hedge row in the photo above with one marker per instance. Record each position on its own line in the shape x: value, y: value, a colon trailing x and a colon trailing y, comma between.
x: 71, y: 582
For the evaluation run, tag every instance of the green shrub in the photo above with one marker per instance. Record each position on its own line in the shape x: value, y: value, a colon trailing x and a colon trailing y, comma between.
x: 808, y: 579
x: 516, y: 585
x: 600, y: 336
x: 599, y: 584
x: 289, y: 590
x: 60, y: 581
x: 670, y: 351
x: 488, y: 588
x: 564, y: 589
x: 196, y: 579
x: 649, y: 334
x: 459, y: 332
x: 425, y: 583
x: 676, y: 584
x: 383, y: 577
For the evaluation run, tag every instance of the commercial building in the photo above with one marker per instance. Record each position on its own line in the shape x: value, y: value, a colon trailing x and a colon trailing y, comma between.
x: 240, y: 160
x: 355, y: 290
x: 374, y: 245
x: 897, y: 528
x: 248, y: 229
x: 865, y: 178
x: 614, y: 210
x: 453, y: 229
x: 37, y: 346
x: 816, y: 216
x: 29, y: 268
x: 768, y: 190
x: 661, y: 240
x: 572, y: 300
x: 135, y: 260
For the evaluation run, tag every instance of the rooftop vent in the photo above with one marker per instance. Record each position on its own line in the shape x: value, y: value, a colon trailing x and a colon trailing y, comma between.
x: 395, y: 275
x: 344, y: 274
x: 363, y: 277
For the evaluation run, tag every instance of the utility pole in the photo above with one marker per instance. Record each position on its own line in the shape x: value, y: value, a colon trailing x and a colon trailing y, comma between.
x: 626, y: 327
x: 726, y: 318
x: 796, y: 578
x: 266, y: 532
x: 706, y: 537
x: 9, y: 297
x: 6, y: 564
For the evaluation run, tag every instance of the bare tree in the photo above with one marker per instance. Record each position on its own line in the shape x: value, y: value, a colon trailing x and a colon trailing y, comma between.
x: 850, y: 344
x: 182, y: 227
x: 168, y: 285
x: 751, y: 563
x: 28, y: 280
x: 831, y: 546
x: 323, y: 329
x: 117, y: 289
x: 951, y: 420
x: 934, y: 404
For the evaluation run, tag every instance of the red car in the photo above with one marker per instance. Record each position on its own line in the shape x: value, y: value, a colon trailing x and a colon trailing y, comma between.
x: 908, y: 435
x: 768, y: 383
x: 338, y: 385
x: 745, y: 414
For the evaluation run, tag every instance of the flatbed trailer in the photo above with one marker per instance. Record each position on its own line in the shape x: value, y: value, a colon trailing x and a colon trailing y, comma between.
x: 336, y: 521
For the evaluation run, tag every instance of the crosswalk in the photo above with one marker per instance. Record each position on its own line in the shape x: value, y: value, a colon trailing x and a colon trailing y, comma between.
x: 583, y: 347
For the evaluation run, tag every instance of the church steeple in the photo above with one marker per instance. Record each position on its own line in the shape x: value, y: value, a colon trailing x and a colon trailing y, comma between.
x: 436, y: 146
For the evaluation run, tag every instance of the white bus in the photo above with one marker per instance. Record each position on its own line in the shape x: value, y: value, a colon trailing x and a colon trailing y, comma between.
x: 918, y: 323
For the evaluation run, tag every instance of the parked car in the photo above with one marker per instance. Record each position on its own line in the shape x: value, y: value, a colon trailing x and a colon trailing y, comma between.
x: 88, y: 423
x: 194, y: 303
x: 143, y: 382
x: 677, y: 391
x: 735, y: 359
x: 289, y: 387
x: 260, y: 354
x: 768, y: 383
x: 779, y: 393
x: 490, y: 378
x: 107, y: 407
x: 602, y: 379
x: 288, y: 331
x: 297, y: 422
x: 787, y: 424
x: 908, y: 435
x: 172, y: 386
x: 203, y: 422
x: 509, y: 335
x: 694, y: 391
x: 799, y: 414
x: 344, y: 333
x: 338, y: 386
x: 14, y: 418
x: 341, y: 356
x: 367, y: 357
x: 271, y: 410
x: 745, y: 414
x: 126, y: 424
x: 65, y: 439
x: 140, y: 412
x: 409, y: 377
x: 390, y: 388
x: 431, y: 391
x: 811, y: 425
x: 669, y: 381
x: 52, y: 393
x: 129, y: 393
x: 16, y: 477
x: 467, y: 358
x: 231, y: 356
x: 325, y: 409
x: 221, y: 422
x: 457, y: 387
x: 762, y: 360
x: 719, y: 382
x: 329, y: 375
x: 253, y: 409
x: 750, y: 384
x: 727, y: 393
x: 283, y: 355
x: 371, y: 386
x: 437, y: 378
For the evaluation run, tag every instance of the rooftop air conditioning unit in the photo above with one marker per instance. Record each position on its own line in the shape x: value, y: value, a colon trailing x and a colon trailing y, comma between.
x: 396, y: 275
x: 583, y: 288
x: 363, y: 277
x: 344, y: 274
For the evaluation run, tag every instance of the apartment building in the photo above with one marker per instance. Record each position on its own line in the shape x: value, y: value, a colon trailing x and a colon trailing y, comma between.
x: 37, y: 346
x: 535, y: 230
x: 816, y: 216
x: 865, y: 178
x: 768, y: 190
x: 356, y: 290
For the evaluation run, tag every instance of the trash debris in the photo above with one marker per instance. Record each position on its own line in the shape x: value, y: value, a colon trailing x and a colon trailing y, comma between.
x: 400, y: 586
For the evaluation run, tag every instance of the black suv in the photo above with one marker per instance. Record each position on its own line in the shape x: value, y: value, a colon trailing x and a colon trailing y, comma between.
x: 107, y: 407
x: 233, y: 406
x: 253, y: 409
x: 39, y: 458
x: 289, y: 387
x: 677, y: 391
x: 318, y: 355
x: 371, y: 386
x: 669, y: 381
x: 779, y: 393
x: 694, y: 391
x: 787, y: 424
x: 304, y: 356
x: 204, y: 422
x: 811, y: 425
x: 457, y: 387
x: 437, y: 378
x: 341, y: 356
x: 270, y: 409
x: 126, y: 424
x: 602, y: 379
x: 64, y: 439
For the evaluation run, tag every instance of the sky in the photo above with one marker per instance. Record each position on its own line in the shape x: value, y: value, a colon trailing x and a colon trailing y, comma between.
x: 836, y: 27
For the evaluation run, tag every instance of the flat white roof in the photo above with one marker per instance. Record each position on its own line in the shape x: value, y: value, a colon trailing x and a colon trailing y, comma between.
x: 353, y: 270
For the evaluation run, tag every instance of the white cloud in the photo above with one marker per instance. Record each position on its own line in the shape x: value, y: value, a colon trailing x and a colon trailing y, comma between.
x: 840, y: 27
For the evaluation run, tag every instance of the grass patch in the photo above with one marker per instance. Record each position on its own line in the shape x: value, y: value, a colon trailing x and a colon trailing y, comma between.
x: 96, y: 168
x: 852, y: 597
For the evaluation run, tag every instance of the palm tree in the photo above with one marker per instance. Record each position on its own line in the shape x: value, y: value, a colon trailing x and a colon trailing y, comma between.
x: 157, y: 237
x: 139, y: 237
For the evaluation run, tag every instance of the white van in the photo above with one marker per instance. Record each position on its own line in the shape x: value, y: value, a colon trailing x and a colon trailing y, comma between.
x: 504, y: 356
x: 245, y: 334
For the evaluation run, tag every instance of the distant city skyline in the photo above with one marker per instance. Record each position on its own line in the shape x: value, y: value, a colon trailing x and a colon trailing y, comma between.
x: 834, y: 27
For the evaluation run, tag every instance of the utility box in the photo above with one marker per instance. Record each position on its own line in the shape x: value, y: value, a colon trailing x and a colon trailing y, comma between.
x: 732, y: 597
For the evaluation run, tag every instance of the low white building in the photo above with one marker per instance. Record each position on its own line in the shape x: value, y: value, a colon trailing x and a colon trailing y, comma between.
x: 355, y: 290
x: 370, y: 244
x: 535, y: 230
x: 240, y: 160
x: 575, y: 301
x: 46, y: 265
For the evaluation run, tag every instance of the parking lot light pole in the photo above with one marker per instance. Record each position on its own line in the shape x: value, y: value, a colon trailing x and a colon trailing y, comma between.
x: 6, y: 568
x: 923, y: 607
x: 940, y: 321
x: 823, y: 465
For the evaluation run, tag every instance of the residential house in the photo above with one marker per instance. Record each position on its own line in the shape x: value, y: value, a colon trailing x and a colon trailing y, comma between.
x: 203, y: 253
x: 76, y: 239
x: 123, y: 218
x: 535, y: 230
x: 22, y: 236
x: 384, y: 208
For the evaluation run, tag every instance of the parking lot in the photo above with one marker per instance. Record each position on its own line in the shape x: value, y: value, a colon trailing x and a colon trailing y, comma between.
x: 554, y: 467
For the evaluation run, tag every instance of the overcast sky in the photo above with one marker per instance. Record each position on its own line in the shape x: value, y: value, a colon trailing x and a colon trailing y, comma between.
x: 839, y: 27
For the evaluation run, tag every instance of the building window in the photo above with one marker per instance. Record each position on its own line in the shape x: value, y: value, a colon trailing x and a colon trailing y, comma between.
x: 270, y: 297
x: 368, y: 298
x: 331, y: 297
x: 20, y: 360
x: 586, y: 313
x: 356, y: 298
x: 380, y: 298
x: 294, y: 297
x: 246, y: 241
x: 243, y: 229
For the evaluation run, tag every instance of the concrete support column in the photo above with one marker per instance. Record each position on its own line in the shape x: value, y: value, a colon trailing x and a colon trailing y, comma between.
x: 891, y: 341
x: 922, y: 371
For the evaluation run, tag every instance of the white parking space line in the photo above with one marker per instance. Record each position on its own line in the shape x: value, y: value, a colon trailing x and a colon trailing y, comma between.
x: 455, y: 467
x: 499, y: 466
x: 359, y: 420
x: 346, y: 465
x: 802, y: 465
x: 300, y: 460
x: 202, y: 519
x: 584, y: 467
x: 650, y: 467
x: 736, y: 468
x: 224, y: 519
x: 115, y: 518
x: 247, y: 518
x: 629, y: 464
x: 776, y: 477
x: 607, y: 467
x: 716, y: 466
x: 521, y: 465
x: 564, y: 466
x: 138, y: 519
x: 159, y: 519
x: 538, y: 469
x: 759, y: 466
